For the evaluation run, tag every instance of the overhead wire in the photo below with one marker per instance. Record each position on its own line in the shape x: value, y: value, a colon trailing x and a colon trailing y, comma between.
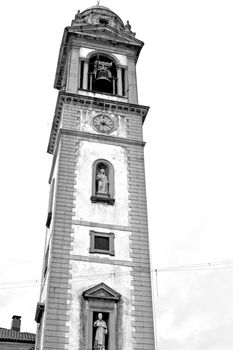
x: 209, y: 266
x: 201, y: 266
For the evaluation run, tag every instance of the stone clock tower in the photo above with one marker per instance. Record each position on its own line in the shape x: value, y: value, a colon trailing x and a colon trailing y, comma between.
x: 96, y: 285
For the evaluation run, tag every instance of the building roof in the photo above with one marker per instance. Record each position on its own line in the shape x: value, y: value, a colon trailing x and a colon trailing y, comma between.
x: 98, y: 7
x: 97, y: 11
x: 10, y: 335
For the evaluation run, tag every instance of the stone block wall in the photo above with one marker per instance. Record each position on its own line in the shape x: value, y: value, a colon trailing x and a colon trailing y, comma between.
x: 64, y: 293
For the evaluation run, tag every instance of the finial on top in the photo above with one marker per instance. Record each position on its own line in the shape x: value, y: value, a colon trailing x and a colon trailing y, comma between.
x: 78, y: 16
x: 128, y: 27
x: 98, y: 2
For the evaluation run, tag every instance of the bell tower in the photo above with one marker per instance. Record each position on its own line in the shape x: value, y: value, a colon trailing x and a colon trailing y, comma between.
x: 96, y: 284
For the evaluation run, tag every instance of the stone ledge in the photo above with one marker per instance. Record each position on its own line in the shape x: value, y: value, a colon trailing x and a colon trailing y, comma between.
x: 103, y: 199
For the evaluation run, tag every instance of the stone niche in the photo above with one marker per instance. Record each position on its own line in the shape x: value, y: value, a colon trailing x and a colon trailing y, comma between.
x: 101, y: 299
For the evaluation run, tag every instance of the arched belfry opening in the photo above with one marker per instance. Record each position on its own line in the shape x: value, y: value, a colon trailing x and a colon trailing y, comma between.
x: 102, y: 74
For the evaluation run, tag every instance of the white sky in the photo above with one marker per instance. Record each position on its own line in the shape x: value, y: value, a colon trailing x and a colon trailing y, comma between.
x: 185, y: 74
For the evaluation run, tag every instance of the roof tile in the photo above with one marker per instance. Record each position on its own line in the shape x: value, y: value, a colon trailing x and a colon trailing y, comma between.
x: 9, y: 334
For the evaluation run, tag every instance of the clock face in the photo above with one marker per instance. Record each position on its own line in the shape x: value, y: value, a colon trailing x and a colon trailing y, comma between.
x: 103, y: 123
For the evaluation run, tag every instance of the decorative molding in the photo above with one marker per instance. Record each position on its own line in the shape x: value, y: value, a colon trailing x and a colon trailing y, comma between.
x: 103, y: 199
x: 100, y: 94
x: 95, y: 104
x: 101, y: 260
x: 109, y: 235
x: 108, y: 138
x: 101, y: 291
x: 95, y: 46
x: 88, y: 136
x: 101, y: 225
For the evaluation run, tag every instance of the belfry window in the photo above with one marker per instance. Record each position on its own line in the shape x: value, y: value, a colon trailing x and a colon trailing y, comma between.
x: 102, y: 75
x: 102, y: 182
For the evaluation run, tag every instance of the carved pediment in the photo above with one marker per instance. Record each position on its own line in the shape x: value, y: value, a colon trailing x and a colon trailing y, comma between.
x: 106, y: 33
x: 101, y: 291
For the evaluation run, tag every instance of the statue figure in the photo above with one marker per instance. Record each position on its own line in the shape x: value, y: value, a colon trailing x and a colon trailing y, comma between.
x: 102, y: 182
x: 101, y: 331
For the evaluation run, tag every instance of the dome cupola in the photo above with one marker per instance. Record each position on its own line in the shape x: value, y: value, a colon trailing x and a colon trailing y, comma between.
x: 98, y: 15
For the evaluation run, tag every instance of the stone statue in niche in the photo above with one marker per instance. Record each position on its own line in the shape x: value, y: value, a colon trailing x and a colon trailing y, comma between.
x: 101, y: 331
x: 102, y: 182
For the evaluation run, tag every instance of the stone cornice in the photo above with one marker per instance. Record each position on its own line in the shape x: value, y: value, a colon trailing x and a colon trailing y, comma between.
x: 101, y: 260
x: 96, y: 137
x: 112, y: 139
x: 94, y: 103
x: 118, y: 36
x: 101, y: 225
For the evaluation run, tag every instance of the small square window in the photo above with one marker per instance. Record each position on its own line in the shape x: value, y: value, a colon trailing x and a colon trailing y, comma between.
x: 101, y: 242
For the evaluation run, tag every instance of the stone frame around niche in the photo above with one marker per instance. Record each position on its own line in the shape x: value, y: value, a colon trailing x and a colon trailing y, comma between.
x: 109, y: 197
x: 103, y: 299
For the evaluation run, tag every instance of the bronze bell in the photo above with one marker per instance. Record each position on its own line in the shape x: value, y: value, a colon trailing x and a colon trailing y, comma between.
x: 103, y: 73
x: 103, y: 77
